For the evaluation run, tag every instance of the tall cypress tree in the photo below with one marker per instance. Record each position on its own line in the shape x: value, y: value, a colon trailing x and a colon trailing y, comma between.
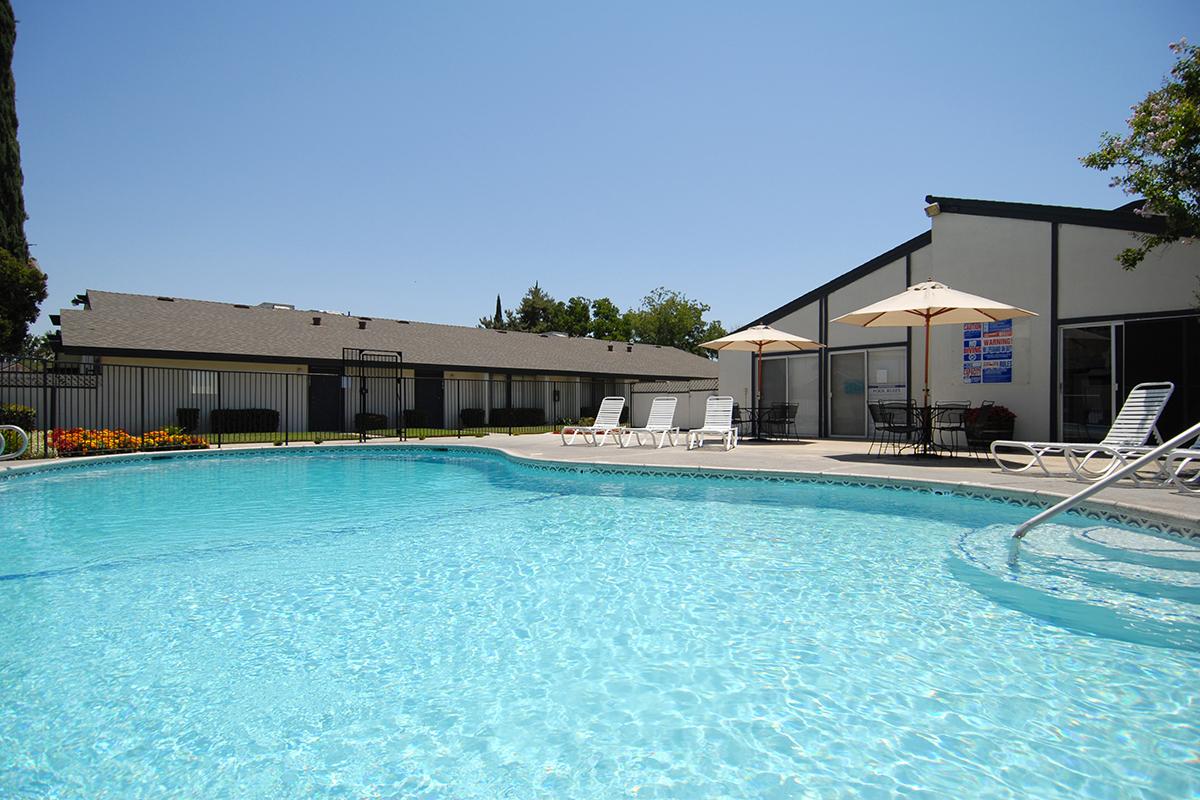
x: 22, y: 284
x: 498, y: 320
x: 12, y: 201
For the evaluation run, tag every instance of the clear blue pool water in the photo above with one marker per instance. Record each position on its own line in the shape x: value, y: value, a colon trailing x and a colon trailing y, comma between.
x: 459, y: 626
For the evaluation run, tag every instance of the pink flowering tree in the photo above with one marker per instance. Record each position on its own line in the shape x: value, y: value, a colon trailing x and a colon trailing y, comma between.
x: 1159, y: 158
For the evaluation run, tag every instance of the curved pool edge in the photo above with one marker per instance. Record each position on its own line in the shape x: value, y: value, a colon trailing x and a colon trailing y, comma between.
x: 1106, y: 511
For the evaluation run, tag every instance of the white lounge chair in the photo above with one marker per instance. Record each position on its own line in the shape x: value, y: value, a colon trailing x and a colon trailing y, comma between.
x: 660, y: 423
x: 1183, y: 469
x: 1126, y: 439
x: 607, y: 423
x: 718, y: 424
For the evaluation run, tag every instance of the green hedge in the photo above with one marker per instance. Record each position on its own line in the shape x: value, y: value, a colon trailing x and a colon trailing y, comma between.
x: 23, y: 417
x: 517, y: 417
x: 471, y: 417
x: 188, y: 419
x: 365, y: 421
x: 244, y: 420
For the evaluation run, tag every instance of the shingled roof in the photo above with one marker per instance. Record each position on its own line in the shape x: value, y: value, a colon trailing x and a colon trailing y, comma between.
x: 114, y: 323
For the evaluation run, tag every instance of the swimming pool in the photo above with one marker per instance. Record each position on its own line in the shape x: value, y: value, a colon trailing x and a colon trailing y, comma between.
x: 377, y: 622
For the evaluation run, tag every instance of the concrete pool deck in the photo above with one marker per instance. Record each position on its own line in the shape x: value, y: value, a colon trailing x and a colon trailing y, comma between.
x: 825, y: 458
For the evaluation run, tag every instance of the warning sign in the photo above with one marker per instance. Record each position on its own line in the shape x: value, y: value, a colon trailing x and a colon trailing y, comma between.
x: 987, y: 352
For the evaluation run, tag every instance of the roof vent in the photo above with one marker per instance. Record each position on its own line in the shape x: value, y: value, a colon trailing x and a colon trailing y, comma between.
x: 367, y: 319
x: 240, y: 305
x: 362, y: 324
x: 628, y: 348
x: 276, y: 306
x: 610, y: 348
x: 167, y: 299
x: 402, y: 321
x: 316, y: 320
x: 501, y: 331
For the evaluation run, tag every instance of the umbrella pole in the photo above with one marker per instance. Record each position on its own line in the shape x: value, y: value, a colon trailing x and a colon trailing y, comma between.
x: 758, y: 393
x: 926, y: 421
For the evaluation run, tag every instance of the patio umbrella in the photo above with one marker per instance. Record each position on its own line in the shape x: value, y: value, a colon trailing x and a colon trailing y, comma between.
x: 931, y: 303
x: 762, y: 339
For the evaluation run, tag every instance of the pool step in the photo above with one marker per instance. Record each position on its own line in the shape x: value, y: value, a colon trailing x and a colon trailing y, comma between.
x: 1099, y: 581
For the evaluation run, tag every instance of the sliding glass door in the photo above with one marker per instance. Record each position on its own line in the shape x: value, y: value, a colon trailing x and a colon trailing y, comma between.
x: 1089, y: 381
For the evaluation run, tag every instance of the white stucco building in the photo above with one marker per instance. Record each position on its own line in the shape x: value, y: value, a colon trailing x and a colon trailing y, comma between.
x: 1100, y: 330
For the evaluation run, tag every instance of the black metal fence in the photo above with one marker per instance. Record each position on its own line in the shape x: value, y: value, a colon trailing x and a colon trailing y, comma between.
x: 167, y: 407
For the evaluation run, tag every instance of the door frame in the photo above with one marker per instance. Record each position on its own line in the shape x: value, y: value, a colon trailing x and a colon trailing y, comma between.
x: 862, y: 352
x: 1115, y: 357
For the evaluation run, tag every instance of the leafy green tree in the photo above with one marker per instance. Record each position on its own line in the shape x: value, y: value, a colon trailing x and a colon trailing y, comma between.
x: 22, y: 290
x: 536, y: 312
x: 574, y: 317
x: 36, y: 347
x: 22, y: 283
x: 671, y: 319
x: 608, y: 322
x: 1160, y: 156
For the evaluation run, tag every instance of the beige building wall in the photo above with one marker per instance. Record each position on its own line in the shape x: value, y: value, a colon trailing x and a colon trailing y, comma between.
x: 1006, y: 260
x: 185, y: 363
x: 805, y: 321
x: 883, y: 282
x: 1092, y: 284
x: 735, y: 375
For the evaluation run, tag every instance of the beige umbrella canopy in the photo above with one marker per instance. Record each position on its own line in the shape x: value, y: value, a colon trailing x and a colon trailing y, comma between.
x: 762, y: 339
x: 931, y: 303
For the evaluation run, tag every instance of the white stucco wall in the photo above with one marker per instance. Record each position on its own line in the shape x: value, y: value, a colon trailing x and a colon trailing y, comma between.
x: 1091, y: 283
x: 734, y: 376
x: 1006, y: 260
x: 805, y: 321
x: 881, y: 283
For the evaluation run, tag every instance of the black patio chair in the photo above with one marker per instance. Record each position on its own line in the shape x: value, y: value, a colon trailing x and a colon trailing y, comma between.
x: 902, y: 421
x: 879, y: 428
x: 951, y: 418
x: 781, y: 420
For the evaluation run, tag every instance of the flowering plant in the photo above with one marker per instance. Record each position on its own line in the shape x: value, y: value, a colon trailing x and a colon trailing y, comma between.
x: 89, y: 441
x: 989, y: 414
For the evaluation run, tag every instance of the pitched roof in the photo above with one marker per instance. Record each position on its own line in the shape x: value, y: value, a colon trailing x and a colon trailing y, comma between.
x: 845, y: 279
x: 118, y: 323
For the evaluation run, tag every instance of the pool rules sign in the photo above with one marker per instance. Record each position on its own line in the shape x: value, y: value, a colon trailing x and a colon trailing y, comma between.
x: 987, y: 352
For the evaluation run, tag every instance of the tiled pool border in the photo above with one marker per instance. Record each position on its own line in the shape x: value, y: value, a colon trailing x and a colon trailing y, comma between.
x: 1099, y: 511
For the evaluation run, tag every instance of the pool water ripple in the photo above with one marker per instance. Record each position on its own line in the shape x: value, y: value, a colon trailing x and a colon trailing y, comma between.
x: 458, y: 626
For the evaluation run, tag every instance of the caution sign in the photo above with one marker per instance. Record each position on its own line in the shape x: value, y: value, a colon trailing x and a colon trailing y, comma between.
x: 987, y: 352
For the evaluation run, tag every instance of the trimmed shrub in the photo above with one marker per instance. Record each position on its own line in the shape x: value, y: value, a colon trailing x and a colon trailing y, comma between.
x: 243, y: 420
x: 188, y: 419
x: 415, y: 418
x: 23, y: 417
x: 518, y: 417
x: 366, y: 421
x: 471, y: 417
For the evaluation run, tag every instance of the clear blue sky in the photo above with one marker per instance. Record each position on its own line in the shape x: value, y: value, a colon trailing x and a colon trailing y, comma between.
x: 412, y: 159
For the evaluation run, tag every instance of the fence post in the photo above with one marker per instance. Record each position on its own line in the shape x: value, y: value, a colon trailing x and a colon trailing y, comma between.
x: 220, y: 417
x: 287, y: 396
x: 458, y: 403
x: 508, y: 401
x: 142, y: 406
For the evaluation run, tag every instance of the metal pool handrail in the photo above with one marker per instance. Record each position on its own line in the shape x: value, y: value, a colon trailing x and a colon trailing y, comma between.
x: 4, y: 442
x: 1075, y: 499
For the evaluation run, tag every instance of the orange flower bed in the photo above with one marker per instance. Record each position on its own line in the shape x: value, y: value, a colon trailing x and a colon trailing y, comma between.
x: 88, y: 441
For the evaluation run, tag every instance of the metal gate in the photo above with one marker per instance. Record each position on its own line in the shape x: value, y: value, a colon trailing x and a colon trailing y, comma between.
x: 374, y: 380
